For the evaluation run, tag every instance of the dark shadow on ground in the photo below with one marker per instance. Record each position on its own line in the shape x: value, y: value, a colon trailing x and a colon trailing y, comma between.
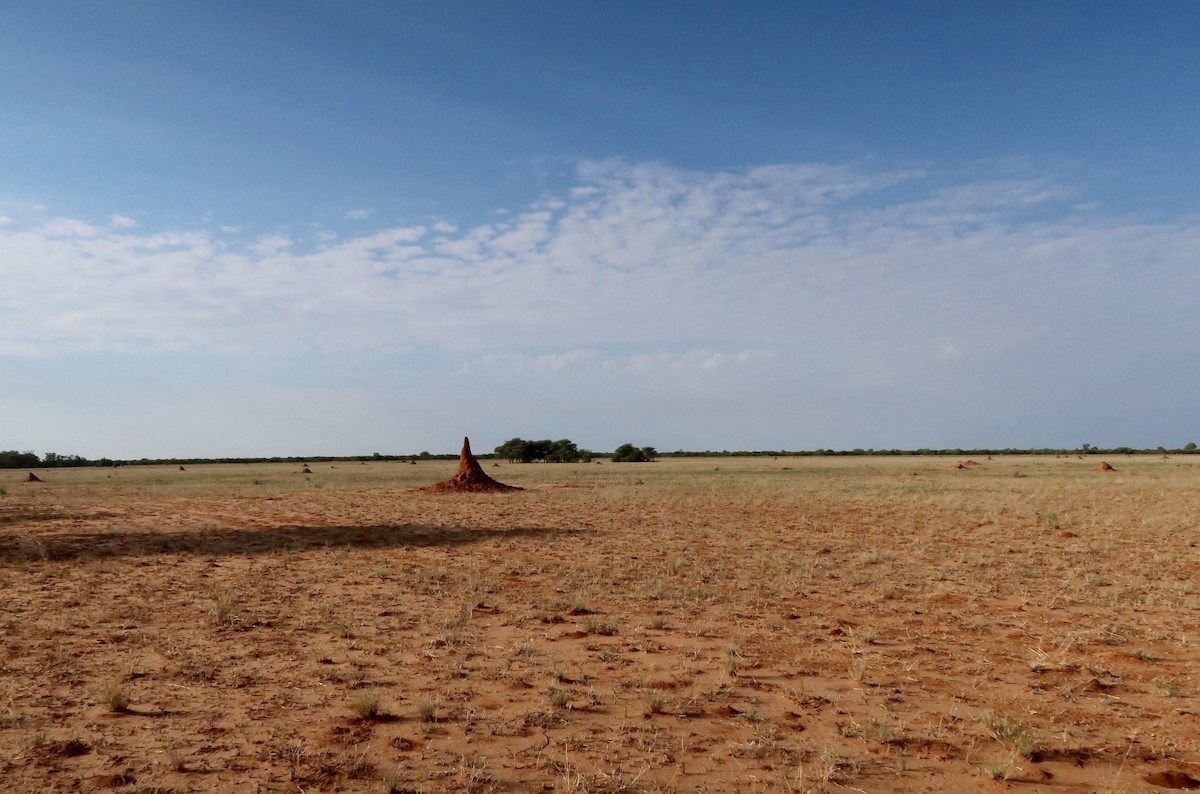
x: 19, y: 515
x: 231, y: 541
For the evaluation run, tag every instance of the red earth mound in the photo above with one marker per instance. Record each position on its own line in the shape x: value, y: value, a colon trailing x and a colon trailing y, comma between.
x: 1104, y: 466
x: 31, y: 477
x: 471, y: 477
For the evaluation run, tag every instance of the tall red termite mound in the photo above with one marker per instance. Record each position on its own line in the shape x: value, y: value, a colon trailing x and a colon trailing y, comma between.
x: 31, y: 477
x: 1104, y: 466
x: 471, y: 476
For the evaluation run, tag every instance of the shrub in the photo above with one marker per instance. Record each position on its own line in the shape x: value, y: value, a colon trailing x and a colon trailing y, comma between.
x: 656, y: 701
x: 628, y: 453
x: 115, y: 696
x: 367, y: 705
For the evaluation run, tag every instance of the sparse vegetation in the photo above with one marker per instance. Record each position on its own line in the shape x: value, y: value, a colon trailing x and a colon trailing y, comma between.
x: 427, y: 710
x: 367, y: 704
x: 115, y: 696
x: 594, y: 625
x: 773, y: 615
x: 732, y: 661
x: 396, y: 782
x: 869, y: 636
x: 1018, y: 737
x: 176, y: 759
x: 656, y: 701
x: 223, y: 609
x: 1000, y: 769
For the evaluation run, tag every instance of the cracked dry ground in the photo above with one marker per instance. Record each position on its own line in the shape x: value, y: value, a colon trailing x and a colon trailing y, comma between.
x: 689, y: 625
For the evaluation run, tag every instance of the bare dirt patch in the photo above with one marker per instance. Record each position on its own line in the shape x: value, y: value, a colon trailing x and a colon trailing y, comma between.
x: 687, y: 625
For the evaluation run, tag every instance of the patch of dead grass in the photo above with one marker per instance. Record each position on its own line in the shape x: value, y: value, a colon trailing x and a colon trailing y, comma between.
x: 831, y: 625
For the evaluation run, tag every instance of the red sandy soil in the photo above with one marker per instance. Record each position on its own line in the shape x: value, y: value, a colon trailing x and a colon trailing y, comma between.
x: 818, y: 625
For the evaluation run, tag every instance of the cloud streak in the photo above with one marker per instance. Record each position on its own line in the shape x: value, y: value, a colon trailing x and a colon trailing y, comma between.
x: 854, y: 277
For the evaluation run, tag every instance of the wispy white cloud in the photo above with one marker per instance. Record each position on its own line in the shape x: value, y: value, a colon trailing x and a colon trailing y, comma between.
x: 543, y: 363
x: 270, y: 244
x: 360, y: 214
x: 67, y: 227
x: 591, y: 359
x: 845, y: 274
x: 122, y: 222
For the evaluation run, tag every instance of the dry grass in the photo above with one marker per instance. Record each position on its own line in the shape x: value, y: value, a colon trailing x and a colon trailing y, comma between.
x: 722, y: 624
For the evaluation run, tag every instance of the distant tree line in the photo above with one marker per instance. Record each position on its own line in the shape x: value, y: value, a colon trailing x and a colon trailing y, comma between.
x: 11, y: 459
x: 1086, y: 449
x: 565, y: 451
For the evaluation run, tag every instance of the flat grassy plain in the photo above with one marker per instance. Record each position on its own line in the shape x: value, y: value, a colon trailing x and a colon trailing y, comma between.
x: 702, y: 624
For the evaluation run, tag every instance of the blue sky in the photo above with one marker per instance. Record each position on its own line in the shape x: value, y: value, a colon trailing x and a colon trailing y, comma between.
x: 340, y: 228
